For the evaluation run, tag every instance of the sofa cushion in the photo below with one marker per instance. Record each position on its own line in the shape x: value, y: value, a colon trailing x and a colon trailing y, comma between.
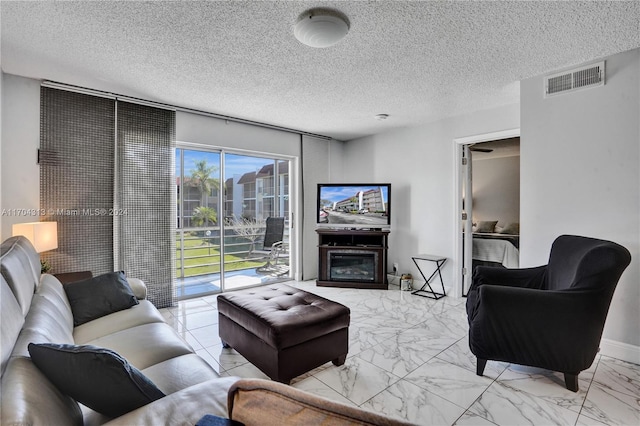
x: 49, y: 319
x: 142, y: 313
x: 180, y: 372
x: 96, y: 377
x: 145, y: 345
x: 99, y: 296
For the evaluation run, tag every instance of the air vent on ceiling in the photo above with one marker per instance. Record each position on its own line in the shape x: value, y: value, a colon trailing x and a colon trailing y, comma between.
x: 568, y: 81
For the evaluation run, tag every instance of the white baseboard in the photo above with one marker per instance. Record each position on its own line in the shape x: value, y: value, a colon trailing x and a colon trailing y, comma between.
x: 620, y: 350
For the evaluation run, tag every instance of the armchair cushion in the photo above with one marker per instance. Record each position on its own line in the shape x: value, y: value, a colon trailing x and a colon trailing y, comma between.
x: 99, y: 296
x: 96, y: 377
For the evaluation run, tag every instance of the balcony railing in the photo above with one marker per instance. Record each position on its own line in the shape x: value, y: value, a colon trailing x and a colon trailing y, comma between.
x: 198, y: 250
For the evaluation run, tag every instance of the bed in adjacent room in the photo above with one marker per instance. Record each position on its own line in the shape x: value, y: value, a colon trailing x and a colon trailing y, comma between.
x: 496, y: 246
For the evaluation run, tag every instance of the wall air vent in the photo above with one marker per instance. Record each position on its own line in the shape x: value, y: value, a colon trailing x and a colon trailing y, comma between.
x: 568, y: 81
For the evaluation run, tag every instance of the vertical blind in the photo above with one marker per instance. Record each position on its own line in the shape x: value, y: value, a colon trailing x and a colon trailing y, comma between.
x: 145, y: 212
x: 106, y: 170
x: 76, y: 178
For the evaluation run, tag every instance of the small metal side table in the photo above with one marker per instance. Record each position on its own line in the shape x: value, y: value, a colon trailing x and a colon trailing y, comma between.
x: 439, y: 261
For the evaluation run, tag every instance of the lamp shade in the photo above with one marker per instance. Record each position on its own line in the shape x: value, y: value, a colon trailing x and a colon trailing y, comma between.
x: 43, y: 235
x: 321, y: 28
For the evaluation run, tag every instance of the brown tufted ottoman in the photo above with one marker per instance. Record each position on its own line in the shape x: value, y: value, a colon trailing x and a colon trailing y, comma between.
x: 284, y: 331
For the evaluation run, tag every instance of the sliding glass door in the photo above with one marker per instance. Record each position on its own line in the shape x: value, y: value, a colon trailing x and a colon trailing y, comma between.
x: 227, y: 206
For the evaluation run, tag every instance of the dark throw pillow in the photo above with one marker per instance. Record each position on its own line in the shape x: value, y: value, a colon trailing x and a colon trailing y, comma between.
x: 99, y: 296
x: 96, y: 377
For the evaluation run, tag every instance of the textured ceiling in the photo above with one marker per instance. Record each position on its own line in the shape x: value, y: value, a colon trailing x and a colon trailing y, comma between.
x: 416, y: 61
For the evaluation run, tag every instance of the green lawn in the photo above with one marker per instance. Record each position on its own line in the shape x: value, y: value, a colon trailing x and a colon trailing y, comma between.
x: 203, y: 259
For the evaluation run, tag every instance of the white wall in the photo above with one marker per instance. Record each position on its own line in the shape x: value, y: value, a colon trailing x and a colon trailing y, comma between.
x: 496, y: 190
x: 580, y: 162
x: 215, y: 132
x: 20, y: 181
x: 419, y: 163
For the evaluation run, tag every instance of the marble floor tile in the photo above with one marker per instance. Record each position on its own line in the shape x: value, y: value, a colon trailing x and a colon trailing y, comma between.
x: 460, y: 354
x: 199, y: 319
x: 364, y: 336
x: 453, y: 383
x: 408, y: 402
x: 546, y: 385
x: 503, y: 405
x: 470, y: 419
x: 618, y: 375
x: 430, y: 340
x: 587, y: 421
x: 396, y: 358
x: 357, y: 379
x: 207, y: 335
x: 611, y: 407
x: 316, y: 387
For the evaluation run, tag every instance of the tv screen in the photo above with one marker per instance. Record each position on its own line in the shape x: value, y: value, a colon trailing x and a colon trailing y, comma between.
x: 351, y: 205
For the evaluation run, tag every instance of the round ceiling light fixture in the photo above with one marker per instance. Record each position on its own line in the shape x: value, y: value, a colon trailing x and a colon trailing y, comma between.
x: 321, y: 27
x: 381, y: 117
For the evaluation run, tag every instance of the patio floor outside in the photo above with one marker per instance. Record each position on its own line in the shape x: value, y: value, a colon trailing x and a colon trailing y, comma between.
x: 211, y: 283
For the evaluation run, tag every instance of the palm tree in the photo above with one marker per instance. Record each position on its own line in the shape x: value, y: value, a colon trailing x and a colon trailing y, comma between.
x: 201, y: 177
x: 203, y: 215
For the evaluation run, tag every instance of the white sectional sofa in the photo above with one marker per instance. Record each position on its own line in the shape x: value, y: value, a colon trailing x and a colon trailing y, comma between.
x: 35, y: 309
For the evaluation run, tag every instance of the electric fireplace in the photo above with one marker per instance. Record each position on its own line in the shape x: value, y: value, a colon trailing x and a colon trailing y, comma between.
x: 353, y: 258
x: 352, y: 265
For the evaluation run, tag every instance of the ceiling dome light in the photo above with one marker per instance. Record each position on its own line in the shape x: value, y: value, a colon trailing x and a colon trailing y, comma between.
x: 381, y: 116
x: 321, y: 27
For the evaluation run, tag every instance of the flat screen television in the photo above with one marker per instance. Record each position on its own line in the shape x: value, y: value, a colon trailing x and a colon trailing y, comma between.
x: 354, y: 205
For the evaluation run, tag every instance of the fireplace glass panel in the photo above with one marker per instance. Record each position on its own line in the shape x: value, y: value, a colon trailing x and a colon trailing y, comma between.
x: 352, y: 267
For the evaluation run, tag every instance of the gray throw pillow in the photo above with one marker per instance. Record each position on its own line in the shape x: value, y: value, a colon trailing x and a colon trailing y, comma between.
x: 99, y: 296
x: 96, y: 377
x: 486, y: 226
x: 513, y: 229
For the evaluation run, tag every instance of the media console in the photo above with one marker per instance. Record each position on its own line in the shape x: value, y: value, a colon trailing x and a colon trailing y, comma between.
x: 352, y: 258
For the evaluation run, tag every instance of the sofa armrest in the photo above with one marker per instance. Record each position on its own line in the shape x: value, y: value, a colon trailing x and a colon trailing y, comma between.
x: 184, y: 407
x: 139, y: 288
x: 256, y: 402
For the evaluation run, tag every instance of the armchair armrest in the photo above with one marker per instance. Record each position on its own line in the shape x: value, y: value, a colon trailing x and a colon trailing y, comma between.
x: 524, y: 278
x: 138, y: 287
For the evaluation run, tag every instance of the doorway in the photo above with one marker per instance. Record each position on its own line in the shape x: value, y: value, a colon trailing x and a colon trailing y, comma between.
x: 223, y: 202
x: 487, y: 204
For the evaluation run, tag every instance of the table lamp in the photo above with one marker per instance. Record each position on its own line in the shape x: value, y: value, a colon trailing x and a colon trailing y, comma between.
x: 42, y: 235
